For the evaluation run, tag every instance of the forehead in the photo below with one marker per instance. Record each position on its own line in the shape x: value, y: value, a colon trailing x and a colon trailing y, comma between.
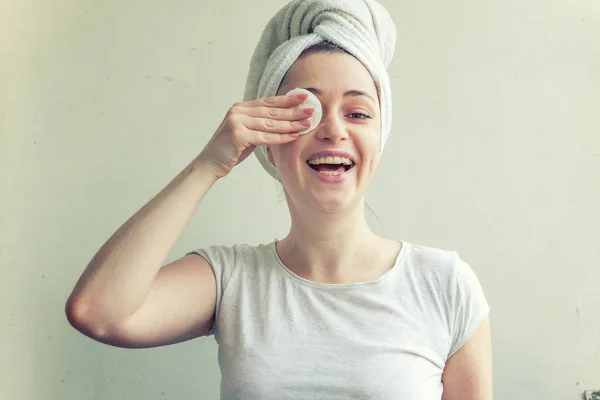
x: 330, y: 71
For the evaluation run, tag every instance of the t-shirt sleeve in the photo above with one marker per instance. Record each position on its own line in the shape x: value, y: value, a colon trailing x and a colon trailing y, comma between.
x: 222, y: 260
x: 469, y: 306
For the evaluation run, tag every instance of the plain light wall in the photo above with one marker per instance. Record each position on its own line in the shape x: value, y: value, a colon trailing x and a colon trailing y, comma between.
x: 495, y: 153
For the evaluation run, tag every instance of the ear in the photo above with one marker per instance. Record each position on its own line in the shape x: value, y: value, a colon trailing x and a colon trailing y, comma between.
x: 270, y: 156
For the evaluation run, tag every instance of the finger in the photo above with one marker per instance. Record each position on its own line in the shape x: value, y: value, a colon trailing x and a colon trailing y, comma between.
x: 284, y: 114
x: 258, y: 138
x: 275, y: 126
x: 282, y: 101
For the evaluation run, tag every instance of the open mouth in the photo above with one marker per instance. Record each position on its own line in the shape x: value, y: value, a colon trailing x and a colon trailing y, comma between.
x: 331, y: 166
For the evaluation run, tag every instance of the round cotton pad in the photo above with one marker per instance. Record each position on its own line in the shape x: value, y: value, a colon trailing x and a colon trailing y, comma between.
x: 311, y: 102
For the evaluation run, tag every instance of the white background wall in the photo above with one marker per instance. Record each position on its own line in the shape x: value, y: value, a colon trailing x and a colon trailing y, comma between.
x: 495, y: 153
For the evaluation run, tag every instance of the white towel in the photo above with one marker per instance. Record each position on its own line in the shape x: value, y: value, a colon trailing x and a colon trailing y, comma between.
x: 363, y: 28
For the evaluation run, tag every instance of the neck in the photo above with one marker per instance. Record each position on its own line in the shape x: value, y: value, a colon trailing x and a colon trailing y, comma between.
x: 327, y: 246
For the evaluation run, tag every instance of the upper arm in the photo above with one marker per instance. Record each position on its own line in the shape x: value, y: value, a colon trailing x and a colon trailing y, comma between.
x: 180, y: 306
x: 468, y: 373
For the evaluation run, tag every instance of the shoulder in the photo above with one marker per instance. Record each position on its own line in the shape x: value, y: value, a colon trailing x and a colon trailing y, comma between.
x: 431, y: 256
x: 229, y: 256
x: 443, y: 268
x: 455, y: 291
x: 235, y: 260
x: 429, y: 260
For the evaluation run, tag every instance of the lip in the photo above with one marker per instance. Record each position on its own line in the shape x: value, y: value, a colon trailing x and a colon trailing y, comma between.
x: 332, y: 178
x: 332, y: 153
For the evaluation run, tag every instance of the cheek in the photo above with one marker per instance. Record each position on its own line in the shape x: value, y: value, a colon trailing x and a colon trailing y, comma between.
x: 285, y: 155
x: 372, y: 140
x: 370, y: 146
x: 378, y: 134
x: 376, y: 159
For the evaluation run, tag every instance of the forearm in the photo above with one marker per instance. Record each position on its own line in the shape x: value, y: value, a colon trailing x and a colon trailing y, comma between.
x: 119, y: 277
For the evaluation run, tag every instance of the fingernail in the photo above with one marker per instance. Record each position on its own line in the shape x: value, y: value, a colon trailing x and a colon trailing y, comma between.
x: 305, y: 122
x: 309, y: 111
x: 303, y: 96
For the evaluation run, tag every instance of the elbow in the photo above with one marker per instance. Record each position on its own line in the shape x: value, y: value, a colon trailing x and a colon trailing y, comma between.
x: 76, y: 312
x: 80, y: 316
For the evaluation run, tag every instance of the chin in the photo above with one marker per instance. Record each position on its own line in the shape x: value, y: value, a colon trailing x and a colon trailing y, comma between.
x: 332, y: 201
x: 308, y: 190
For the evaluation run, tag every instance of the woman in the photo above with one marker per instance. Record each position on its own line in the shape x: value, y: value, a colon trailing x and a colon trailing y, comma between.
x: 332, y: 310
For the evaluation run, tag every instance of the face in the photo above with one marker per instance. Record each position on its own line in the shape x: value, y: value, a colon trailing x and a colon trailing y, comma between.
x: 350, y: 127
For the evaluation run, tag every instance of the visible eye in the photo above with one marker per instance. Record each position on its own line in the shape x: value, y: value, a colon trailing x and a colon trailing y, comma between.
x: 359, y: 115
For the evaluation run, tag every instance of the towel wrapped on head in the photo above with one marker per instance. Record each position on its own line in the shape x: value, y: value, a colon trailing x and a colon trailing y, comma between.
x: 363, y: 28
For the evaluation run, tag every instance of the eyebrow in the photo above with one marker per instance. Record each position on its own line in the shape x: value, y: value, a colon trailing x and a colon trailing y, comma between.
x: 351, y: 93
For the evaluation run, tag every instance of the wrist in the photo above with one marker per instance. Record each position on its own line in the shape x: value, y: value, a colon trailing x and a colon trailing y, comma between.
x: 204, y: 170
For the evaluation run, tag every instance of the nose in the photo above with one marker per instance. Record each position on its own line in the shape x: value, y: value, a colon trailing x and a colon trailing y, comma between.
x: 331, y: 129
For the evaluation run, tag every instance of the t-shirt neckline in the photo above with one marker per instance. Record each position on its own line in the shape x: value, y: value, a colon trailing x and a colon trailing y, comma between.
x: 307, y: 282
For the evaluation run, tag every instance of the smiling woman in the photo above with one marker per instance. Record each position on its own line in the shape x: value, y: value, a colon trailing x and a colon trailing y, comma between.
x: 332, y: 310
x: 350, y: 128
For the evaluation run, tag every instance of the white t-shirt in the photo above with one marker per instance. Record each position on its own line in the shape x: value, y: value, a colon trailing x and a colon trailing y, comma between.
x: 284, y: 337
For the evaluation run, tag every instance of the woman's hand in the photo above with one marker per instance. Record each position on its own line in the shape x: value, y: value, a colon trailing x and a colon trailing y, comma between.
x: 271, y: 120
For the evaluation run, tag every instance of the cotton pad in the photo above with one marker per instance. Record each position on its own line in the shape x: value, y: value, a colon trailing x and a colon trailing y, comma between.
x: 311, y: 102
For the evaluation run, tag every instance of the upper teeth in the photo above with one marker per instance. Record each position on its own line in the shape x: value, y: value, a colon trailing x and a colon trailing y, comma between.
x: 330, y: 160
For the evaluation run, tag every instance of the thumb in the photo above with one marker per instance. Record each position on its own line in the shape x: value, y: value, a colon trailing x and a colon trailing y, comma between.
x: 247, y: 151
